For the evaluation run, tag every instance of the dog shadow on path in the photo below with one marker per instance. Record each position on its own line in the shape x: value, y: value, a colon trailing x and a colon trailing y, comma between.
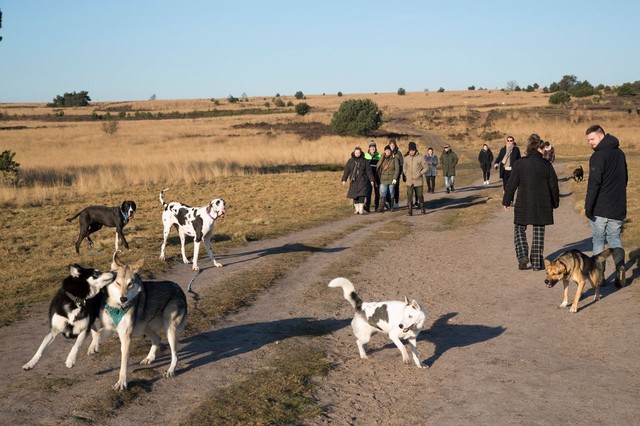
x: 285, y: 248
x: 215, y: 345
x: 445, y: 335
x: 584, y: 246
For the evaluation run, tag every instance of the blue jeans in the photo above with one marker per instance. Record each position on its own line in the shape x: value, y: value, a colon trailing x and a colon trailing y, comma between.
x: 384, y: 189
x: 448, y: 181
x: 608, y: 230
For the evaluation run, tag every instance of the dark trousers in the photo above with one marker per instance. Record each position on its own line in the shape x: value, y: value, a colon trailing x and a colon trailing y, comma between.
x: 431, y: 183
x: 505, y: 179
x: 537, y: 244
x: 376, y: 200
x: 486, y: 171
x: 417, y: 190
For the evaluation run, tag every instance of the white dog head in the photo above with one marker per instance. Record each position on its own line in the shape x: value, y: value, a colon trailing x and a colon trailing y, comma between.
x: 414, y: 316
x: 218, y: 208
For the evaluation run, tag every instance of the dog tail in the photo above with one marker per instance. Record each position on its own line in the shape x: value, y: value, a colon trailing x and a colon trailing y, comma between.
x: 162, y: 199
x: 70, y: 219
x: 349, y: 292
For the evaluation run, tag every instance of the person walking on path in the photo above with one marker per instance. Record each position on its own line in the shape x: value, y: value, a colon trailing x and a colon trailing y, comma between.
x: 449, y: 161
x: 606, y: 201
x: 414, y: 170
x: 395, y: 152
x: 507, y: 157
x: 538, y: 194
x: 373, y: 156
x: 432, y: 170
x: 485, y: 157
x: 358, y: 172
x: 388, y: 172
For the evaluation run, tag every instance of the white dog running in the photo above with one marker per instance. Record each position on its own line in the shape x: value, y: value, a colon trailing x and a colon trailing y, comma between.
x: 196, y: 222
x: 400, y: 320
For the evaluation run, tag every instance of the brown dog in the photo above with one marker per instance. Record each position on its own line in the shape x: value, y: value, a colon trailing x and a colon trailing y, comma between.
x: 578, y: 267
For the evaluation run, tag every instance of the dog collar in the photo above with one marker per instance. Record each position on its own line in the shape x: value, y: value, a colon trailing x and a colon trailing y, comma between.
x: 212, y: 218
x: 80, y: 302
x: 124, y: 215
x: 116, y: 314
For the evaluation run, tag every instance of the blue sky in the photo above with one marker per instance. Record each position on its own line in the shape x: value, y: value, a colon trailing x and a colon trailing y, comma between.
x: 130, y: 50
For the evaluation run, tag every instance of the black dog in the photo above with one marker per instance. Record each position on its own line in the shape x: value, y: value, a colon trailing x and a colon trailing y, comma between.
x: 93, y: 218
x: 578, y: 174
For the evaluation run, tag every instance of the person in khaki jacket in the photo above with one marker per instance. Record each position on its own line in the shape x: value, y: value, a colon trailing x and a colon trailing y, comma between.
x: 389, y: 172
x: 414, y: 169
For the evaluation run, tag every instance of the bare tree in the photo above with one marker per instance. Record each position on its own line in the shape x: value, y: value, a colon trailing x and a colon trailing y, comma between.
x: 511, y: 84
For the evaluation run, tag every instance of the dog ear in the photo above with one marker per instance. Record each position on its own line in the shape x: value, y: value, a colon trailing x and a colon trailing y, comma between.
x: 546, y: 263
x: 406, y: 301
x: 74, y: 270
x: 208, y: 209
x: 116, y: 262
x: 138, y: 265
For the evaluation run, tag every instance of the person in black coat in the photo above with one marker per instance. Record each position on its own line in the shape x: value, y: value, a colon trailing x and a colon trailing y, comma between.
x: 507, y: 157
x: 538, y: 194
x: 606, y: 201
x: 485, y: 158
x: 358, y: 172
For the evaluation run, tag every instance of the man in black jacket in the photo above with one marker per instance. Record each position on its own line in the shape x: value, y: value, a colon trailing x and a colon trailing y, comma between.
x: 507, y: 157
x: 606, y: 201
x: 538, y: 194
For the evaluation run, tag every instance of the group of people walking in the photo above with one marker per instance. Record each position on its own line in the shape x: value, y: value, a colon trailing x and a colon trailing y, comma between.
x: 374, y: 177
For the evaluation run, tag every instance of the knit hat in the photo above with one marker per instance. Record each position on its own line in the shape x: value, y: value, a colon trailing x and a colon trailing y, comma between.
x: 412, y: 146
x: 387, y: 147
x: 372, y: 143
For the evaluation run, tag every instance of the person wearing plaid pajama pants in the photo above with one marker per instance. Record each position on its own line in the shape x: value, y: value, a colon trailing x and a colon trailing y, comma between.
x: 538, y: 194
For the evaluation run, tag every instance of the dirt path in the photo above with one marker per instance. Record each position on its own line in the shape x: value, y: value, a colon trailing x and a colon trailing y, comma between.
x: 499, y: 350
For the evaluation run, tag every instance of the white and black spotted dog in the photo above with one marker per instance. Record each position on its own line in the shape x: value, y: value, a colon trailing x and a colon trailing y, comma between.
x: 400, y: 320
x: 196, y: 222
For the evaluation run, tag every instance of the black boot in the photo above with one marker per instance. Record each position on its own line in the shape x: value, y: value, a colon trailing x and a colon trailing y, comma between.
x: 618, y: 259
x: 410, y: 209
x: 421, y: 201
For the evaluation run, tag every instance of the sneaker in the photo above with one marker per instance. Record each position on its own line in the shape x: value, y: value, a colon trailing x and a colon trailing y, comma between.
x: 621, y: 278
x: 396, y: 206
x: 523, y: 264
x: 448, y: 190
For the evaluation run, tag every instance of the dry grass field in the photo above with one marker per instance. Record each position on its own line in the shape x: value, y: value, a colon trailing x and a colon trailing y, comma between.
x: 277, y: 170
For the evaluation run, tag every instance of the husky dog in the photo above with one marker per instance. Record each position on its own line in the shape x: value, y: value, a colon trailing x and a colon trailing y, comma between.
x: 196, y: 222
x: 578, y: 267
x: 133, y: 307
x: 73, y: 309
x: 400, y: 320
x: 93, y: 218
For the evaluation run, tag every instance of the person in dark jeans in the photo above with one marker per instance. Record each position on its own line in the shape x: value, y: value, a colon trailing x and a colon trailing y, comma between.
x: 373, y: 156
x: 485, y: 157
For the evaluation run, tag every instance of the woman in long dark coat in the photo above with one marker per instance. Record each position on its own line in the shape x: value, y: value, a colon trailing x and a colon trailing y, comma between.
x: 358, y: 172
x: 538, y: 194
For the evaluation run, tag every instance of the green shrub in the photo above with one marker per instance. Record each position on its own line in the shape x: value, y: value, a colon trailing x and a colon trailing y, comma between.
x: 302, y: 108
x: 299, y: 95
x: 441, y: 89
x: 9, y: 168
x: 357, y: 117
x: 559, y: 97
x: 74, y: 99
x: 279, y: 103
x: 339, y: 94
x: 232, y: 100
x: 110, y: 127
x: 401, y: 92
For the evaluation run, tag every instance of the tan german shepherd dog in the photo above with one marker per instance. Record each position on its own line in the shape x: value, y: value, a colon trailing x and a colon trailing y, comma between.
x: 578, y: 267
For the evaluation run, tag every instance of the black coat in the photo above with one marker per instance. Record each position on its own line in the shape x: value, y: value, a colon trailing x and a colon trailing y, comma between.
x: 538, y: 192
x: 486, y: 157
x: 607, y: 184
x: 358, y: 173
x: 515, y: 156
